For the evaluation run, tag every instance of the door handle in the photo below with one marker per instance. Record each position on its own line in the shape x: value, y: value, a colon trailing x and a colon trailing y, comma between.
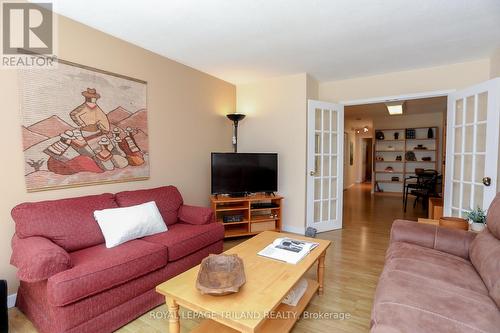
x: 312, y: 173
x: 487, y: 181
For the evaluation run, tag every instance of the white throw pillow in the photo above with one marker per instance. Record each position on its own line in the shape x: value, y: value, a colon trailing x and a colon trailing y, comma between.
x: 119, y: 225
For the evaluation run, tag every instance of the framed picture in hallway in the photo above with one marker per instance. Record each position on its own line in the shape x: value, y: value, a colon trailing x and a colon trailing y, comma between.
x: 82, y: 126
x: 351, y: 153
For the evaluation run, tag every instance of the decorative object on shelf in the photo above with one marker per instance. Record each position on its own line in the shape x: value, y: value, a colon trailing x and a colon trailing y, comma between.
x: 410, y: 156
x: 379, y: 135
x: 430, y: 133
x: 377, y: 187
x: 86, y: 126
x: 419, y: 171
x: 235, y: 118
x: 389, y: 169
x: 477, y: 219
x: 410, y: 133
x: 379, y: 158
x: 399, y: 158
x: 427, y: 159
x: 396, y: 135
x: 395, y: 179
x: 454, y: 223
x: 420, y: 147
x: 220, y: 275
x: 392, y: 148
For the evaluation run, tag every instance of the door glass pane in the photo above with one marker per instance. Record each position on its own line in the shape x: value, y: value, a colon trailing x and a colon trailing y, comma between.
x: 326, y: 120
x: 317, y: 189
x: 467, y: 168
x: 466, y: 197
x: 478, y: 196
x: 317, y: 143
x: 482, y: 106
x: 324, y: 213
x: 458, y: 140
x: 479, y: 174
x: 334, y: 120
x: 317, y: 116
x: 326, y: 189
x: 481, y: 138
x: 317, y: 165
x: 456, y: 194
x: 333, y: 188
x: 334, y: 166
x: 469, y: 138
x: 470, y: 110
x: 326, y: 143
x: 317, y: 211
x: 457, y: 167
x: 455, y: 212
x: 459, y: 110
x: 326, y: 166
x: 334, y: 143
x: 333, y: 209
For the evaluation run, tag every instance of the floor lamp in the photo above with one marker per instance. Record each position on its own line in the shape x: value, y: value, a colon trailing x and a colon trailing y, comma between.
x: 235, y: 118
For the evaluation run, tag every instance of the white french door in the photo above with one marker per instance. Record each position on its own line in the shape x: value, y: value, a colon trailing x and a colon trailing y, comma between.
x: 325, y: 136
x: 472, y: 148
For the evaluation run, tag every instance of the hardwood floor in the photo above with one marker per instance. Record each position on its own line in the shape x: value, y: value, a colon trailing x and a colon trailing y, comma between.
x: 353, y: 264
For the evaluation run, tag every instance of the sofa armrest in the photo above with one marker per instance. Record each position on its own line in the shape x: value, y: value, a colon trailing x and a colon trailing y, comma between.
x: 37, y: 258
x: 196, y: 215
x: 452, y: 241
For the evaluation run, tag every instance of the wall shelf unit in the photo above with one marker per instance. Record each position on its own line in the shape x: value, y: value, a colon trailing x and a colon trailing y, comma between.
x: 393, y: 152
x: 255, y: 220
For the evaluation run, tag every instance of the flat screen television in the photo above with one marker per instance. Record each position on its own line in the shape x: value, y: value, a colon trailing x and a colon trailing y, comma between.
x: 242, y: 173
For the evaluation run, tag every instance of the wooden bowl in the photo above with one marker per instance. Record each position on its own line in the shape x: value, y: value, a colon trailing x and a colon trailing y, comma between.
x: 220, y: 275
x: 454, y: 222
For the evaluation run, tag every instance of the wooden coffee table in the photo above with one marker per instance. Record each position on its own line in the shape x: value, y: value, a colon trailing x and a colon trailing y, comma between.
x: 257, y: 306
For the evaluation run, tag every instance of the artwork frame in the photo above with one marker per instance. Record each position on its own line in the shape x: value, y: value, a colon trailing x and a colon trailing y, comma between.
x: 351, y: 153
x: 67, y: 143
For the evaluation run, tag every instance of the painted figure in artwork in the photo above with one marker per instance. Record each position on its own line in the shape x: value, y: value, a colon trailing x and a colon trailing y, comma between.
x: 89, y: 116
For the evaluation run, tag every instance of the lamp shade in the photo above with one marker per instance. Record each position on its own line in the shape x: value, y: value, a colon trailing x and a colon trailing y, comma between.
x: 235, y: 116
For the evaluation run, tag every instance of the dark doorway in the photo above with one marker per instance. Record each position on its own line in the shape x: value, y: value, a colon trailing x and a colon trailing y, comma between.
x: 368, y: 159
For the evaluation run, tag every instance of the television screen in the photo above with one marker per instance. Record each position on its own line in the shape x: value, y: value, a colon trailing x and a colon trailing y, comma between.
x: 239, y: 173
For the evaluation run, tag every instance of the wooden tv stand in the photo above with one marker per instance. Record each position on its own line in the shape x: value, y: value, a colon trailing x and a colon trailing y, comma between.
x: 255, y: 220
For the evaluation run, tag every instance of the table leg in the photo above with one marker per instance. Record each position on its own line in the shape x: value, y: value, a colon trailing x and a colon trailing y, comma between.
x: 321, y: 272
x: 174, y: 324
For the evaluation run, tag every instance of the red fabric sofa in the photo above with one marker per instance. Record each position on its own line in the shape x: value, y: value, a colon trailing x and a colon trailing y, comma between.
x: 70, y: 282
x: 440, y: 280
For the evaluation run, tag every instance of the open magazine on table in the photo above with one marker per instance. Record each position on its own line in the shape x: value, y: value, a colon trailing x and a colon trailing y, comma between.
x: 288, y: 249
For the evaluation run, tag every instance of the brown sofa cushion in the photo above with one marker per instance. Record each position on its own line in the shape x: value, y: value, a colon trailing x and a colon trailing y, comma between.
x: 425, y: 290
x: 485, y: 256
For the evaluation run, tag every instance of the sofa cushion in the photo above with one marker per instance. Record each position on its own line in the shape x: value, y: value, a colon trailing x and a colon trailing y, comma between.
x: 167, y: 198
x: 68, y: 223
x: 182, y: 239
x: 96, y: 269
x: 423, y: 290
x: 485, y: 256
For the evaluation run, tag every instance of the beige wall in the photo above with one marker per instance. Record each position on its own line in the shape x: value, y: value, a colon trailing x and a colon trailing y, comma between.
x: 276, y: 122
x: 407, y: 82
x: 186, y: 122
x: 495, y: 64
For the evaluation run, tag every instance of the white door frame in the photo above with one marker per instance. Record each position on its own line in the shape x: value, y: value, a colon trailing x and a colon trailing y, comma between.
x: 392, y: 98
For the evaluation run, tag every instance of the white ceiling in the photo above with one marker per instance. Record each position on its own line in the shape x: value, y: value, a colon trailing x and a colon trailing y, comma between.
x: 245, y: 40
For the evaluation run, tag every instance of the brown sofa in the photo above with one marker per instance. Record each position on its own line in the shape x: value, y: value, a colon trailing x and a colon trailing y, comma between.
x: 440, y: 280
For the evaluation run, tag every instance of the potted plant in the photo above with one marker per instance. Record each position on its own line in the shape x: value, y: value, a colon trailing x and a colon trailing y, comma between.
x: 477, y: 219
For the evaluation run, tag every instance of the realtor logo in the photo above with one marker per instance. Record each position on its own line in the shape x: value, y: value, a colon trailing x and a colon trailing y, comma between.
x: 27, y: 34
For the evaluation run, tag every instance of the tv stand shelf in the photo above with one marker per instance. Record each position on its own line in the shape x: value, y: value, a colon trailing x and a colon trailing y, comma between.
x: 255, y: 220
